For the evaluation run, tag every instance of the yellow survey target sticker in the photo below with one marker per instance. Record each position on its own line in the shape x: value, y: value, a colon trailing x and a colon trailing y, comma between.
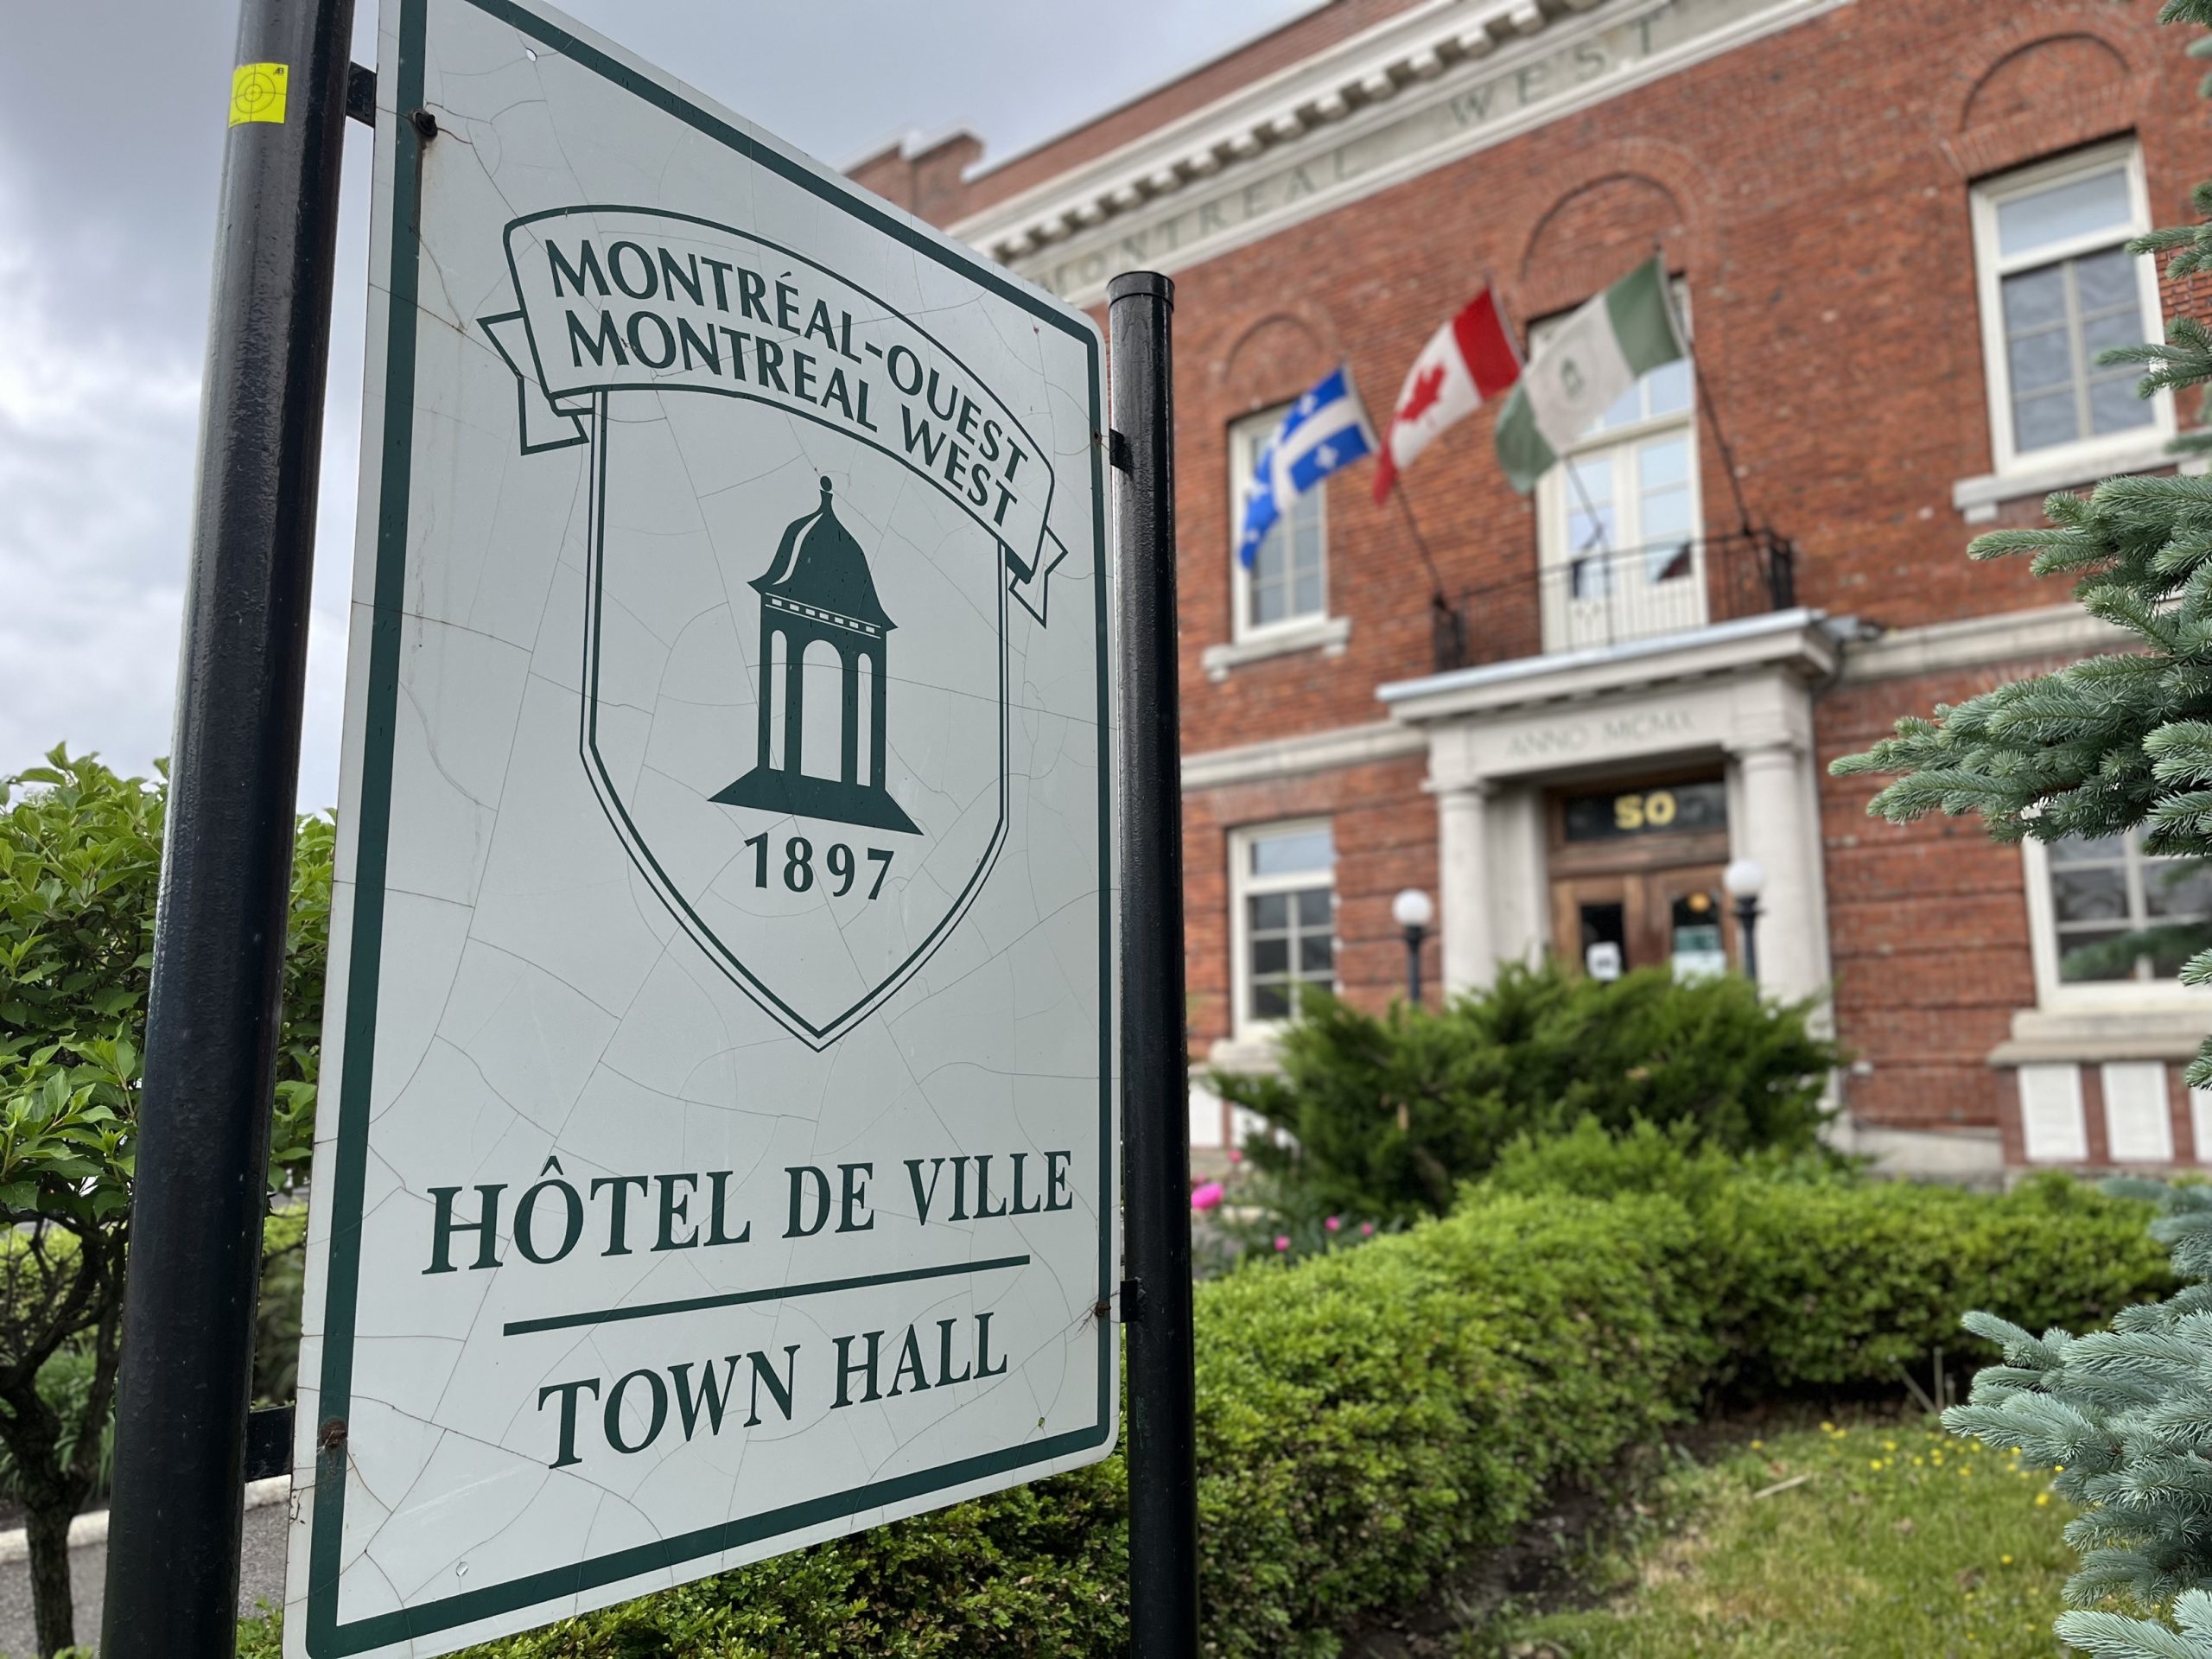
x: 258, y: 93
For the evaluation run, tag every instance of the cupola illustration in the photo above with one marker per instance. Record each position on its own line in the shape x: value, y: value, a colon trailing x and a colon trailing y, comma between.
x: 818, y: 591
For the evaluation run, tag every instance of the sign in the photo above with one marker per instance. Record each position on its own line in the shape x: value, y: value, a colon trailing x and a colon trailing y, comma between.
x: 1673, y: 807
x: 717, y: 1150
x: 1696, y: 948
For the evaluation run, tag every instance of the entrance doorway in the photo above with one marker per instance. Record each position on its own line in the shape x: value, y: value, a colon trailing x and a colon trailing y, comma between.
x: 1636, y: 877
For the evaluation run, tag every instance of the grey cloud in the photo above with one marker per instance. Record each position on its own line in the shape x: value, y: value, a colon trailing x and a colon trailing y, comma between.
x: 111, y: 138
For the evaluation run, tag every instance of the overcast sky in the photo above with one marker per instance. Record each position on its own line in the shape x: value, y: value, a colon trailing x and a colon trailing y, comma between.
x: 112, y: 124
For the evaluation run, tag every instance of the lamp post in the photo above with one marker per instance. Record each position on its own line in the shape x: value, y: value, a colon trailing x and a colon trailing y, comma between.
x: 1413, y: 910
x: 1746, y: 879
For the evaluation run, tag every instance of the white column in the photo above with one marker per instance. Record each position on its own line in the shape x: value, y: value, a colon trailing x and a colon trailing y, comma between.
x: 1775, y: 832
x: 1463, y: 868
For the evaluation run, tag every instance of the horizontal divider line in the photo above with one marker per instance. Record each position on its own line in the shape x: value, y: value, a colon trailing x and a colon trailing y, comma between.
x: 739, y: 1297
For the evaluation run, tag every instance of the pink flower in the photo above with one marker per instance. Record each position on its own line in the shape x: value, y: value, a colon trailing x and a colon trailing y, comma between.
x: 1205, y: 1197
x: 1282, y: 1242
x: 1367, y: 1230
x: 1333, y: 1223
x: 1235, y: 1154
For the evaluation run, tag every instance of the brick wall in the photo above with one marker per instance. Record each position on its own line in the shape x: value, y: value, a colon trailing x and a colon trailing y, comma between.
x: 1385, y: 831
x: 1812, y: 188
x: 1928, y: 925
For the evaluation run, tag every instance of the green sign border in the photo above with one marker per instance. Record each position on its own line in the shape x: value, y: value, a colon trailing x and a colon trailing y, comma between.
x: 325, y: 1637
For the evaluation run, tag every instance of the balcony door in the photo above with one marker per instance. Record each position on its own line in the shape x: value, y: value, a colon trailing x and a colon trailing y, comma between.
x: 1618, y: 523
x: 1636, y: 877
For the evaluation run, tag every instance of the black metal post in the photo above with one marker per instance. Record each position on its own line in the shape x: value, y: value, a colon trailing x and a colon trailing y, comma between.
x: 1414, y: 938
x: 219, y: 944
x: 1747, y: 929
x: 1156, y: 1054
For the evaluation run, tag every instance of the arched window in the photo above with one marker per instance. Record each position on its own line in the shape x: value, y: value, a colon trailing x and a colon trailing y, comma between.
x: 823, y: 720
x: 774, y: 671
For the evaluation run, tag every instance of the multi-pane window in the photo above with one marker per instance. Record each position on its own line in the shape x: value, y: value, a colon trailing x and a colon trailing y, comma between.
x: 1288, y: 581
x: 1629, y: 491
x: 1618, y: 519
x: 2108, y: 892
x: 2059, y: 288
x: 1284, y: 887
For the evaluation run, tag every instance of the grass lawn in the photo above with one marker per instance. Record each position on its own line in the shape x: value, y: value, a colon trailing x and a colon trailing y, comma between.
x: 1895, y: 1540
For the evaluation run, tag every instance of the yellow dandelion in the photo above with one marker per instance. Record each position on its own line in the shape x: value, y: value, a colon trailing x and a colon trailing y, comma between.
x: 1758, y: 1446
x: 2042, y: 1498
x: 1873, y: 1463
x: 1828, y: 1428
x: 2004, y: 1561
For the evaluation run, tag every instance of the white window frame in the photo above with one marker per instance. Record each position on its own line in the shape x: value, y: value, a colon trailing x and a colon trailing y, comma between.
x: 1555, y: 498
x: 1991, y: 268
x: 1242, y: 434
x: 1242, y: 885
x: 2057, y: 993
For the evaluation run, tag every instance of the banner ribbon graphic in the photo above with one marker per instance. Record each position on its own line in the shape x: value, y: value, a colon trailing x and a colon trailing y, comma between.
x: 613, y: 299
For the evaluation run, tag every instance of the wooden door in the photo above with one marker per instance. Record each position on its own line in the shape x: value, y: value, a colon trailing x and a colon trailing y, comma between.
x: 1686, y: 910
x: 1598, y: 923
x: 1667, y: 917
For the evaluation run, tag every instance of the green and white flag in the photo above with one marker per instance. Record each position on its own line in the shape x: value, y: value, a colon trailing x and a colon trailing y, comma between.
x: 1597, y: 354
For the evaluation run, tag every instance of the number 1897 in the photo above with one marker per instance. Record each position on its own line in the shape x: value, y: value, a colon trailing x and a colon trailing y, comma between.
x: 798, y: 865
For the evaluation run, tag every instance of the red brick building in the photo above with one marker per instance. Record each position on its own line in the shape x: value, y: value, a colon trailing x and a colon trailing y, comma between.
x: 1895, y: 226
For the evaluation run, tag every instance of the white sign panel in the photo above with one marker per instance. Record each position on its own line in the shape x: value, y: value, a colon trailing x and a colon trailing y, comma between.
x: 716, y: 1149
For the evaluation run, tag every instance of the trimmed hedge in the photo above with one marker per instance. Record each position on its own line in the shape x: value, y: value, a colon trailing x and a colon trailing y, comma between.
x: 1368, y: 1418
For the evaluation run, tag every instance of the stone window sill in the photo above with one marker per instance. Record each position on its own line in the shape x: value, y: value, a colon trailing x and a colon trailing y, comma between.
x: 1253, y: 1053
x: 1327, y: 634
x: 2166, y: 1028
x: 1978, y: 499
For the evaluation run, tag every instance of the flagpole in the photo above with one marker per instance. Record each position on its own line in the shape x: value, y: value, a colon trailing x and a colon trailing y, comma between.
x: 1589, y: 508
x: 1704, y: 391
x: 1435, y: 582
x: 1438, y: 600
x: 1720, y: 440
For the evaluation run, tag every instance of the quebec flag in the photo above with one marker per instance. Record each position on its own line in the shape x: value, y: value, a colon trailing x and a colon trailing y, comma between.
x: 1325, y: 431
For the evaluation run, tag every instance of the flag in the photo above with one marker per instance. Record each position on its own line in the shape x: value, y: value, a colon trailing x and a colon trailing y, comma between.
x: 1468, y: 361
x: 1598, y: 353
x: 1325, y: 431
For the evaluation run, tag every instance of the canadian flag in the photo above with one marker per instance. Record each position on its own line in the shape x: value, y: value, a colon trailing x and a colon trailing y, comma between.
x: 1467, y: 361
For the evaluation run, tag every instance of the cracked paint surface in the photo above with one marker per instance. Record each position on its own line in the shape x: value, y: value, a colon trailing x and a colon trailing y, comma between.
x: 554, y: 666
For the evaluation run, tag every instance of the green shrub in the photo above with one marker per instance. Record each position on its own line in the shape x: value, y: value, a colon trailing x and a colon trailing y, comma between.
x: 1368, y: 1418
x: 1387, y: 1114
x: 277, y: 1314
x: 1818, y: 1279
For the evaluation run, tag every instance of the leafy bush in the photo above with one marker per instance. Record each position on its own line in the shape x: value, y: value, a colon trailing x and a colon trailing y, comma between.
x: 1370, y: 1417
x: 80, y: 875
x: 1387, y: 1114
x: 276, y: 1315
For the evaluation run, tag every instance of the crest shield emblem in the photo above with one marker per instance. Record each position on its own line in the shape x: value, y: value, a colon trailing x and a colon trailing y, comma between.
x: 815, y: 790
x: 794, y: 684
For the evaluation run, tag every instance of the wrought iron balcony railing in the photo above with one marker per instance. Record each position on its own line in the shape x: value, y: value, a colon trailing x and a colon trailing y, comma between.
x: 1609, y: 596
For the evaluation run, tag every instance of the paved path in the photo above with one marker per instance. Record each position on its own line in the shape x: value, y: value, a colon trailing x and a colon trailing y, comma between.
x: 262, y: 1579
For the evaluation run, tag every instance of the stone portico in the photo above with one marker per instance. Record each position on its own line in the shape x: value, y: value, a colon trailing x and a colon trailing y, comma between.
x: 1738, y: 693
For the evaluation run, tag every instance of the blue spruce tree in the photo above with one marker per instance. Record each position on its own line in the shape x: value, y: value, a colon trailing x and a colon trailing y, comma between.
x: 2125, y: 1418
x: 2115, y: 742
x: 2111, y: 745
